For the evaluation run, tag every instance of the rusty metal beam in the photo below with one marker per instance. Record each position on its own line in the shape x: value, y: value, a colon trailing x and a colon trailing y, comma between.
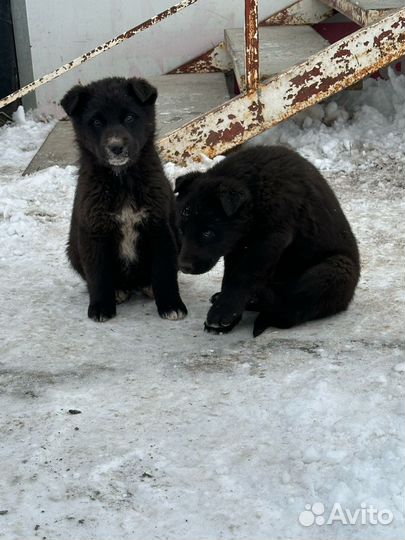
x: 251, y: 45
x: 333, y: 69
x: 357, y: 13
x: 95, y: 52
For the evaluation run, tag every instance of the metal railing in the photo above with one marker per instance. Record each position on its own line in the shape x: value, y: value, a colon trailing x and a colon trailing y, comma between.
x: 251, y: 38
x: 251, y: 45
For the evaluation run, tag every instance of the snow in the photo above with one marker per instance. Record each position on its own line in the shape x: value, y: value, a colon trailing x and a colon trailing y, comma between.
x: 183, y: 434
x: 376, y: 128
x: 19, y: 116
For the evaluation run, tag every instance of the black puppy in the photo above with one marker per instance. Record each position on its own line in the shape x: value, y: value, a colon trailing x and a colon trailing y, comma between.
x: 123, y: 231
x: 289, y: 251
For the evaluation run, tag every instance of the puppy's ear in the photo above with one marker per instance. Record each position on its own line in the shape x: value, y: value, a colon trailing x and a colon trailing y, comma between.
x: 143, y: 91
x: 74, y: 101
x: 232, y: 198
x: 184, y: 182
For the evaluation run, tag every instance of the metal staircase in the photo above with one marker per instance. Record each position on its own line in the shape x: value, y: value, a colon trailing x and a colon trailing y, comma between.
x: 277, y: 70
x: 284, y: 93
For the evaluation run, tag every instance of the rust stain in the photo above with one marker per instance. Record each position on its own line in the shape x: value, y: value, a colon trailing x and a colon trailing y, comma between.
x: 300, y: 80
x: 378, y: 40
x: 323, y: 85
x: 257, y: 108
x: 400, y: 23
x: 342, y: 53
x: 229, y: 134
x: 200, y: 64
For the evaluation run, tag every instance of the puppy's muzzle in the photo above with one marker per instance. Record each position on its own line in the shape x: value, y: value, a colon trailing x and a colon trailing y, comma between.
x: 195, y: 266
x: 116, y: 150
x: 187, y: 268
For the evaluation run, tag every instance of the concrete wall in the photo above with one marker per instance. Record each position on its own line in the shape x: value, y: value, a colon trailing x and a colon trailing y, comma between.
x: 52, y: 32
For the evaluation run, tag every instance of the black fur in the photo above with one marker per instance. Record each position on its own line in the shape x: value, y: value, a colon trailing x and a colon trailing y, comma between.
x: 289, y: 250
x: 122, y: 194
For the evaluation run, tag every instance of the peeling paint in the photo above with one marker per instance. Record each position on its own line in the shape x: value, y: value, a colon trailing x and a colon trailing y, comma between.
x: 305, y: 92
x: 300, y: 80
x: 342, y: 53
x: 378, y: 40
x: 229, y: 134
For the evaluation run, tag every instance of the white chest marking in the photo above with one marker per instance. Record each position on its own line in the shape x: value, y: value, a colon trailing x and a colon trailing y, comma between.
x: 129, y: 220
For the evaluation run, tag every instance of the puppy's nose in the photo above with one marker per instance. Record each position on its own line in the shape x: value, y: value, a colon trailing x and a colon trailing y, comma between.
x: 186, y: 267
x: 116, y: 149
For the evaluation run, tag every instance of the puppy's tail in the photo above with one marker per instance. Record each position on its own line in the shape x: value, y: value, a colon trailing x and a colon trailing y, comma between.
x: 262, y: 322
x: 278, y: 320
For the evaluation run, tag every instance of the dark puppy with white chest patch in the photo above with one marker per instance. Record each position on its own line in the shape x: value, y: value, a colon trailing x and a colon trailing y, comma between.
x: 123, y: 233
x: 288, y: 248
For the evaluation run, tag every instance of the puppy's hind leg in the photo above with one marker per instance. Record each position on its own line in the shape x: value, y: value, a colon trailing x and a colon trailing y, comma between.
x: 322, y: 290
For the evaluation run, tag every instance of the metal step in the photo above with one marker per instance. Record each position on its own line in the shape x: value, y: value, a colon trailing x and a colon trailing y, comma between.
x: 365, y: 12
x: 181, y: 99
x: 281, y: 47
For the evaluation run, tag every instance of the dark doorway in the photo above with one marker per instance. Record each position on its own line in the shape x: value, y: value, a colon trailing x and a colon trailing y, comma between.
x: 8, y: 60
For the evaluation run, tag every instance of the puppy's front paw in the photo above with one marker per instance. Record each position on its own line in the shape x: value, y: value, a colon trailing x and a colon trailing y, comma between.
x: 122, y: 296
x: 148, y: 291
x: 174, y: 313
x: 221, y: 329
x: 215, y: 297
x: 220, y: 320
x: 101, y: 312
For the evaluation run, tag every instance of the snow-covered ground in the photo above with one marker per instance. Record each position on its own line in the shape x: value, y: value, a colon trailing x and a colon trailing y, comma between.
x: 188, y: 435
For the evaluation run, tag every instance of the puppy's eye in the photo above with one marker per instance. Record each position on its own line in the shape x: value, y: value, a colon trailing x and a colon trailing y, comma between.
x: 130, y: 118
x: 96, y: 122
x: 208, y: 235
